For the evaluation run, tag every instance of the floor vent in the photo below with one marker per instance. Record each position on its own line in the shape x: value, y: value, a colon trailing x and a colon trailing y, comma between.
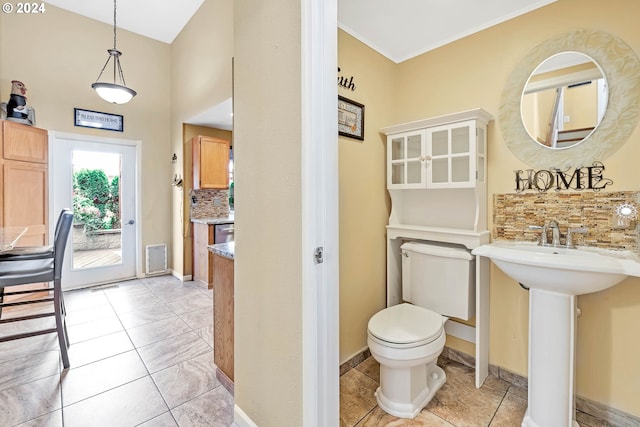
x: 156, y: 259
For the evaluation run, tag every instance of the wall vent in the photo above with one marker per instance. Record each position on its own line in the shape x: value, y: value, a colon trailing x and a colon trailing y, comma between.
x: 156, y: 259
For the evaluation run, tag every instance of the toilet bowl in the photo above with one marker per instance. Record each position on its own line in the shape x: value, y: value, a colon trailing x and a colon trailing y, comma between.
x: 406, y: 340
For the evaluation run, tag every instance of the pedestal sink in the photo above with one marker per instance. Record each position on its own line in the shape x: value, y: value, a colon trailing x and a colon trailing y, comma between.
x: 555, y: 277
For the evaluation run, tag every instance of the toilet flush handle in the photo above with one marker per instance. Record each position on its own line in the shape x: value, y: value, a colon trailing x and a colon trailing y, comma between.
x: 404, y: 254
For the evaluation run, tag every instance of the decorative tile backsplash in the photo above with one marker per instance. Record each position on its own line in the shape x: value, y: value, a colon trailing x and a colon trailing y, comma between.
x: 209, y: 204
x: 514, y: 213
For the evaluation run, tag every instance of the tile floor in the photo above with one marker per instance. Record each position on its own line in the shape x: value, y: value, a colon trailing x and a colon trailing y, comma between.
x: 458, y: 403
x: 141, y: 354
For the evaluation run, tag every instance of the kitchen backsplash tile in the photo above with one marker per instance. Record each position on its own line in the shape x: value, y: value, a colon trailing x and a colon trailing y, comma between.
x: 513, y: 213
x: 210, y: 204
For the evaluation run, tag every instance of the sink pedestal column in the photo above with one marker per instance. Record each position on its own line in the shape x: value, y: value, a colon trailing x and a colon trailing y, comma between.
x: 552, y: 332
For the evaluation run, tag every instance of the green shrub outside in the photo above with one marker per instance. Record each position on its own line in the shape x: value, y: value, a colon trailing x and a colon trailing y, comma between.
x: 96, y: 202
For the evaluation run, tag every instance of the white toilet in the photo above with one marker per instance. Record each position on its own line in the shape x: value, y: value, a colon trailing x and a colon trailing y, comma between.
x: 438, y: 281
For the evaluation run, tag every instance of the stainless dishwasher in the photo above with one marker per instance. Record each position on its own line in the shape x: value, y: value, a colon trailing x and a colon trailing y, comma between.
x: 223, y: 233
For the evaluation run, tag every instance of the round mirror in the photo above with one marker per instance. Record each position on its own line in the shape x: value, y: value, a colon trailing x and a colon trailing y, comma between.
x: 564, y: 100
x: 620, y: 69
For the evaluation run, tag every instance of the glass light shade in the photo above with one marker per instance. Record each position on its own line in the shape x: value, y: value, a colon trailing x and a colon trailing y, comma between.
x: 114, y: 93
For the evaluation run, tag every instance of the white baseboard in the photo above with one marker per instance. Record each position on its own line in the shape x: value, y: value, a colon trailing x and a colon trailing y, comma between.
x: 186, y: 278
x: 240, y: 419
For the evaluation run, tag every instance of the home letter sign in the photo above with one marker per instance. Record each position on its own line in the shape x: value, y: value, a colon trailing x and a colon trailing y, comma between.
x: 583, y: 178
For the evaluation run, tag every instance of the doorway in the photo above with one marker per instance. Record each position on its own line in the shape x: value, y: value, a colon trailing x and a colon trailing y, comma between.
x: 96, y: 177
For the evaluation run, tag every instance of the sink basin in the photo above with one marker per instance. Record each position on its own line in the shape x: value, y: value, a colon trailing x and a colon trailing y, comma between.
x: 555, y: 277
x: 566, y: 271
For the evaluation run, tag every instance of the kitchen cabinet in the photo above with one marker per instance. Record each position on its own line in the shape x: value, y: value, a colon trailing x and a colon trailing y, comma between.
x: 444, y: 152
x: 24, y: 186
x: 24, y: 180
x: 210, y: 162
x: 223, y: 300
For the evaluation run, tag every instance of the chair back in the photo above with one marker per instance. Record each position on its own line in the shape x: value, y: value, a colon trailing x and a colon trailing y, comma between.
x: 62, y: 235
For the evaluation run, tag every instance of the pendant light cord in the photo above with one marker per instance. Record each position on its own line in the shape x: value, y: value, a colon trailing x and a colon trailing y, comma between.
x: 114, y: 23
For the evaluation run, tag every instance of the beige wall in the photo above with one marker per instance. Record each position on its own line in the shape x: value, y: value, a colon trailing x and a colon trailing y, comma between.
x: 268, y: 273
x: 58, y: 55
x: 201, y: 58
x: 363, y: 197
x: 470, y: 73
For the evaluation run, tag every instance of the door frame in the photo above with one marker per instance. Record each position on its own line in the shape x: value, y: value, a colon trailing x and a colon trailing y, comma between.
x: 320, y: 215
x: 137, y: 144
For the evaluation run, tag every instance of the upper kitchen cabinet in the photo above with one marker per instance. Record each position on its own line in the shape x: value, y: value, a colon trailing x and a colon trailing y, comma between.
x: 441, y: 152
x: 210, y: 162
x: 24, y: 180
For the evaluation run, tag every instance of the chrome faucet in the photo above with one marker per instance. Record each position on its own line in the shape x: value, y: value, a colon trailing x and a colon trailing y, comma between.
x: 555, y: 232
x: 571, y: 231
x: 543, y: 235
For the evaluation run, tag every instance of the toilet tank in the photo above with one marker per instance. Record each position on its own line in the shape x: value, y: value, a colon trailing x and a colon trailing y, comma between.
x: 439, y: 277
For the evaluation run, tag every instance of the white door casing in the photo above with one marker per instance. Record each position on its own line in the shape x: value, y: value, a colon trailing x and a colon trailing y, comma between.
x: 62, y: 147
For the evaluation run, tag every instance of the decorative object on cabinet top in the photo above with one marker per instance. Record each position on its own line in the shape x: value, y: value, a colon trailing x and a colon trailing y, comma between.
x: 17, y: 110
x: 226, y: 250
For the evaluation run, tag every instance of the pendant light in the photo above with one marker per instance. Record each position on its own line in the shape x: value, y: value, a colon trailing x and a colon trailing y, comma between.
x: 113, y: 92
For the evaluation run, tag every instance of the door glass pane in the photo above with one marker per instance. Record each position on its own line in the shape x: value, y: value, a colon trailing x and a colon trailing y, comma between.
x: 460, y: 140
x: 440, y: 143
x: 397, y: 173
x: 96, y: 236
x: 460, y: 169
x: 397, y: 148
x: 414, y: 172
x: 414, y: 146
x: 440, y: 170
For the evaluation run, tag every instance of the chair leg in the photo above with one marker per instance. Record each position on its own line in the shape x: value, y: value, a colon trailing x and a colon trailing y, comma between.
x: 1, y: 300
x: 61, y: 326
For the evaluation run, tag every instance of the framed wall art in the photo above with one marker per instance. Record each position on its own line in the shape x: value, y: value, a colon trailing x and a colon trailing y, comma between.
x: 350, y: 118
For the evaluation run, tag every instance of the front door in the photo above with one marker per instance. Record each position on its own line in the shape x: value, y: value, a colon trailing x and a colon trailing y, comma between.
x: 96, y: 178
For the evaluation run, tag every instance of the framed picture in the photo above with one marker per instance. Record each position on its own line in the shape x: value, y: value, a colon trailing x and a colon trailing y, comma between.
x: 98, y: 120
x: 350, y: 118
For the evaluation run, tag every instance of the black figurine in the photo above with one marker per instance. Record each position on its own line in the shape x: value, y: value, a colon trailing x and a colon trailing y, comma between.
x: 17, y: 108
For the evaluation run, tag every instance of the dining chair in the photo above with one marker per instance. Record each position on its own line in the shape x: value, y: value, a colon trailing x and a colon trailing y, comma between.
x: 29, y: 252
x: 47, y: 268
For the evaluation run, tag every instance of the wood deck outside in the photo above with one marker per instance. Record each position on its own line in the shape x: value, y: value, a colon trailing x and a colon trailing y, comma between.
x: 96, y: 258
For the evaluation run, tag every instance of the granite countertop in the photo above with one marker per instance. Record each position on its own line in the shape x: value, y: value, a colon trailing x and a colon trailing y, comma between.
x: 223, y: 220
x: 226, y: 250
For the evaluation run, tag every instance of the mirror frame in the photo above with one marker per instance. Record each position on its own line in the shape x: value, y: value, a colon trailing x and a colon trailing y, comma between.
x: 621, y: 68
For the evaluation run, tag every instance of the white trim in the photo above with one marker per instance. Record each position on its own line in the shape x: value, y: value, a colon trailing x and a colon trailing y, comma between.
x: 319, y: 183
x: 460, y: 330
x: 241, y: 419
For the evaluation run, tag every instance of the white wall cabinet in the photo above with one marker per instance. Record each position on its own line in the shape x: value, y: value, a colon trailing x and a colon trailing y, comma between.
x: 445, y: 152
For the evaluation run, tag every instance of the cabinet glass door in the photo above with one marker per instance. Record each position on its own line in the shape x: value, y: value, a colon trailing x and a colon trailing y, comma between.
x: 406, y: 168
x: 451, y: 150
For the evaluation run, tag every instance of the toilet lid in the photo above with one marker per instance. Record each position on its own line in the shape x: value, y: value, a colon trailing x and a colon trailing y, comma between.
x: 406, y: 323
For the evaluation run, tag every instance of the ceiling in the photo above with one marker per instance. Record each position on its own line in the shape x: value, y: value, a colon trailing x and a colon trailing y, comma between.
x: 399, y: 30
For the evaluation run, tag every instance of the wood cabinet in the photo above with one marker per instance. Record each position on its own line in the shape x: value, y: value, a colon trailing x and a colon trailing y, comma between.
x: 24, y: 182
x: 202, y: 257
x: 210, y: 162
x: 444, y: 152
x: 24, y: 187
x: 223, y: 300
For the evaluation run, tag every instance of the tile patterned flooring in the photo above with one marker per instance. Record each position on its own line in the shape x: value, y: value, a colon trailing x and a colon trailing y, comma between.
x: 141, y: 354
x: 458, y: 403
